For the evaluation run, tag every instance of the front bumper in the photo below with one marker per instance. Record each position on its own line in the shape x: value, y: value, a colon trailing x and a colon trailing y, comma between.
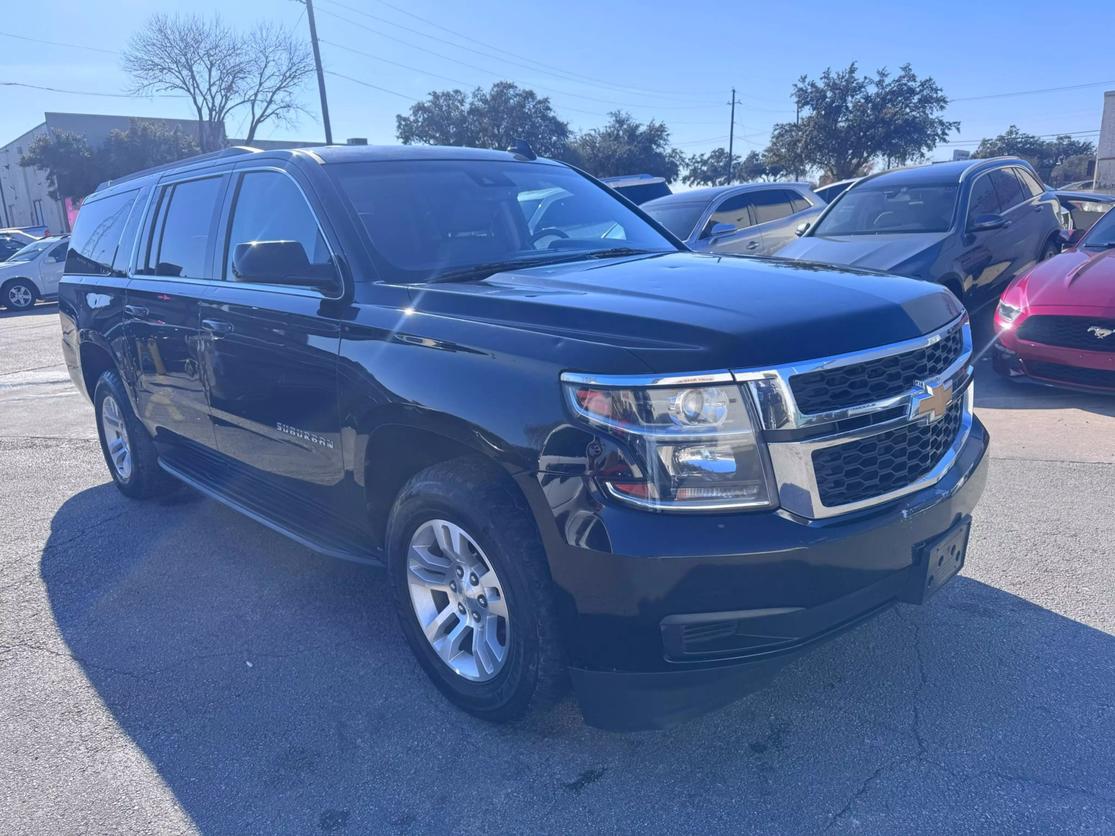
x: 667, y: 616
x: 1067, y: 368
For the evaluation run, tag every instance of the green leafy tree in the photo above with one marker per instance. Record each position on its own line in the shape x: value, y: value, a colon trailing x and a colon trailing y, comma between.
x: 143, y: 145
x: 492, y: 118
x: 848, y: 121
x: 74, y: 169
x: 1044, y: 155
x: 71, y: 166
x: 626, y: 146
x: 711, y: 169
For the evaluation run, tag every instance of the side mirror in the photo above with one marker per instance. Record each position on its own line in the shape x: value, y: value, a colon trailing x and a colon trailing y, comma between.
x: 802, y: 228
x: 715, y: 230
x: 986, y: 223
x: 281, y: 262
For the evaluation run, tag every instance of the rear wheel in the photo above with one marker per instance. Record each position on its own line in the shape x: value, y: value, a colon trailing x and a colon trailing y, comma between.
x: 19, y: 295
x: 472, y: 588
x: 1050, y: 249
x: 128, y: 450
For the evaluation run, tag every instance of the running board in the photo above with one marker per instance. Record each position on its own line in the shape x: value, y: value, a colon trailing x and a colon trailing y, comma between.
x: 340, y: 550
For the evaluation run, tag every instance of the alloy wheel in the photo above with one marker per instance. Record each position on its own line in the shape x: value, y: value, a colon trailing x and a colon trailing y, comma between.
x: 116, y: 437
x: 458, y: 600
x: 20, y: 296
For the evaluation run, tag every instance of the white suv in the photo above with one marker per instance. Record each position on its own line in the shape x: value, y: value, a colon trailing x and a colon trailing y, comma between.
x: 33, y: 273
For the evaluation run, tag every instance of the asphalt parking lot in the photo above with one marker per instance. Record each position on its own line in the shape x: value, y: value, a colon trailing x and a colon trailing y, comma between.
x: 175, y: 667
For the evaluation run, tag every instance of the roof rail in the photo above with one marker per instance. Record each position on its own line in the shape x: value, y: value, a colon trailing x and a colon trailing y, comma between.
x: 232, y: 151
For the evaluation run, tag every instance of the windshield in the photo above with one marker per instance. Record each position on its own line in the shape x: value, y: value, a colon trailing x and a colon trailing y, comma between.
x: 679, y: 218
x: 32, y: 250
x: 1102, y: 233
x: 882, y: 210
x: 433, y: 218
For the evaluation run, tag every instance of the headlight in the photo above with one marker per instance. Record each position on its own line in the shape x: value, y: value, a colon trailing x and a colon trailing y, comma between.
x: 1007, y: 313
x: 690, y: 447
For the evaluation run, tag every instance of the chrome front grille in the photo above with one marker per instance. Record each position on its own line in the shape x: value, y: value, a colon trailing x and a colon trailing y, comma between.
x: 854, y: 431
x: 872, y: 380
x: 881, y: 463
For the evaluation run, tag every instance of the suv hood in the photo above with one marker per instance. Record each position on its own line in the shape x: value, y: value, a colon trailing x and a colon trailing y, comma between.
x: 691, y: 312
x: 875, y: 252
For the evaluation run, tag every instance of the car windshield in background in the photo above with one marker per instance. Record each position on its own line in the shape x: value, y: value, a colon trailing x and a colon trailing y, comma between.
x: 679, y: 218
x: 443, y: 218
x: 32, y: 250
x: 1102, y: 235
x: 882, y: 210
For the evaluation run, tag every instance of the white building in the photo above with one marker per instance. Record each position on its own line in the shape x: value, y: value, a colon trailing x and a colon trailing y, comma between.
x: 1105, y: 148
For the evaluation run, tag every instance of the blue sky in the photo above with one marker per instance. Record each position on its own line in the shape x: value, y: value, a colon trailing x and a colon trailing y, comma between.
x: 671, y: 61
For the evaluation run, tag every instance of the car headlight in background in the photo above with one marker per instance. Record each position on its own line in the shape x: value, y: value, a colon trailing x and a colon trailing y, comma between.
x: 690, y: 447
x: 1006, y: 314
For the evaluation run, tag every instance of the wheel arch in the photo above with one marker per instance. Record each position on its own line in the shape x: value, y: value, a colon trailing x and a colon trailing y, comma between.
x: 8, y: 282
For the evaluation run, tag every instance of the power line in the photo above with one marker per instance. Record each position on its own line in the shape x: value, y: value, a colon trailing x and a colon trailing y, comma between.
x: 91, y: 93
x: 58, y: 43
x: 373, y: 86
x: 497, y: 74
x: 540, y: 67
x: 1031, y: 92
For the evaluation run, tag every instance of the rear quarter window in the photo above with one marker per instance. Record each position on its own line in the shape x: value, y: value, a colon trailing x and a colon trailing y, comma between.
x: 97, y: 233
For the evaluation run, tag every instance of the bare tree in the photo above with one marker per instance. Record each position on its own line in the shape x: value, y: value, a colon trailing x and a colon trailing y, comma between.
x: 278, y: 64
x: 219, y: 70
x: 201, y: 58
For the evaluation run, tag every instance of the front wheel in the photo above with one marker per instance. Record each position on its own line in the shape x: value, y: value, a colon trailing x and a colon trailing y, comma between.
x: 19, y: 295
x: 472, y: 589
x: 1050, y: 249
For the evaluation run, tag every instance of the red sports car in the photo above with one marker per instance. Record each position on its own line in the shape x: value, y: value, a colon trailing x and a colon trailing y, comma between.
x: 1056, y: 324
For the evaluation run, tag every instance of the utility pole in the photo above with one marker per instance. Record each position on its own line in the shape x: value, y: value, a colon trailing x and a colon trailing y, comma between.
x: 320, y: 74
x: 731, y: 137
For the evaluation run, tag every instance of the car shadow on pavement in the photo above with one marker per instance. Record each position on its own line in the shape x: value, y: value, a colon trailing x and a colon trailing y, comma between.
x: 272, y: 691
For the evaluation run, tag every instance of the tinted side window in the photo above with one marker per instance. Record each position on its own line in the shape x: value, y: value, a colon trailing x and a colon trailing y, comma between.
x: 1008, y: 187
x: 984, y: 199
x: 270, y: 207
x: 772, y: 204
x: 798, y: 203
x: 733, y: 211
x: 59, y: 252
x: 97, y: 233
x: 1029, y: 182
x: 186, y: 215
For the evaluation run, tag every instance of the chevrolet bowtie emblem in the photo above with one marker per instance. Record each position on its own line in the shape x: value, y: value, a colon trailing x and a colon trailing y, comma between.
x: 931, y: 402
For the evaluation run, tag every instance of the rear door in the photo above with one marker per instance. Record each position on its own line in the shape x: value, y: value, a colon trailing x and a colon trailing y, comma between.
x: 269, y: 351
x: 161, y: 319
x: 746, y: 239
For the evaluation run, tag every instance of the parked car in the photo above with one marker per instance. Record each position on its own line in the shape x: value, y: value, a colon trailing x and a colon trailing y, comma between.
x: 970, y: 225
x: 32, y: 273
x: 652, y: 469
x: 1056, y: 324
x: 1079, y: 186
x: 638, y: 188
x: 832, y: 191
x: 748, y: 219
x: 12, y: 241
x: 1083, y: 209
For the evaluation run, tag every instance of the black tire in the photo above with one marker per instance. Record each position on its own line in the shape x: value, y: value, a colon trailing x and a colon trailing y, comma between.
x: 484, y: 502
x: 1050, y: 249
x: 143, y: 479
x: 19, y: 295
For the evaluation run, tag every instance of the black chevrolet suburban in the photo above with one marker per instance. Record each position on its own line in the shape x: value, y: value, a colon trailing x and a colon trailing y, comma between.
x: 582, y: 452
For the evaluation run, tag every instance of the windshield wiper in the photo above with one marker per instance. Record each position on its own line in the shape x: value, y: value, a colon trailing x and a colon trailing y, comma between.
x: 619, y: 252
x: 490, y: 268
x: 1101, y: 246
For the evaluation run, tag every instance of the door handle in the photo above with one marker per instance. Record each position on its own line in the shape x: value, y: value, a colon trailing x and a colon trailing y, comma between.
x: 136, y: 311
x: 752, y: 245
x: 217, y: 326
